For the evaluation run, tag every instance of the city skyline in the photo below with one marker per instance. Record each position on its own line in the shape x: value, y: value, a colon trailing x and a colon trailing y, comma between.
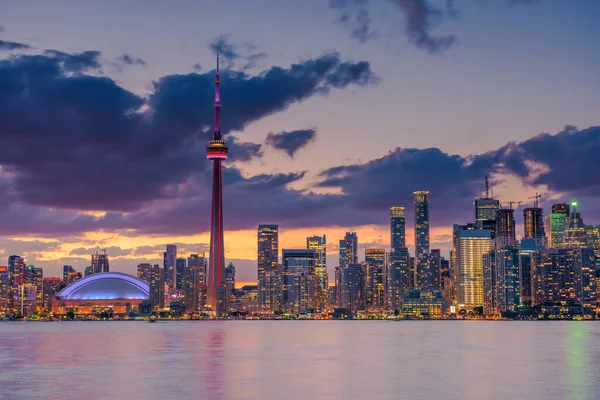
x: 281, y: 139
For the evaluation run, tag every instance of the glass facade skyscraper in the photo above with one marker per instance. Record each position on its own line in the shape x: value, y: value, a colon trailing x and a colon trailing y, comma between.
x: 421, y: 221
x: 397, y: 228
x: 471, y: 246
x: 268, y: 256
x: 319, y: 245
x: 534, y: 225
x: 349, y: 249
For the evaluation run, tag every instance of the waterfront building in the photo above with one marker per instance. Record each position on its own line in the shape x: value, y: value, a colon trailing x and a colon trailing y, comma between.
x: 421, y: 221
x: 230, y: 279
x: 51, y: 286
x: 351, y: 292
x: 100, y: 292
x: 423, y: 304
x: 565, y: 277
x: 192, y: 287
x: 297, y: 286
x: 399, y: 277
x: 268, y: 257
x: 375, y: 278
x: 470, y: 247
x: 507, y: 283
x: 198, y: 262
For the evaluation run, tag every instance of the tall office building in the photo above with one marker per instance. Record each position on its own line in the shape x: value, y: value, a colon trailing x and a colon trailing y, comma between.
x: 170, y: 266
x: 297, y: 287
x: 557, y: 225
x: 100, y: 263
x: 565, y: 277
x: 4, y: 290
x: 471, y: 246
x: 16, y: 271
x: 230, y: 278
x: 421, y: 221
x: 506, y: 234
x: 268, y: 256
x: 191, y: 286
x: 428, y: 270
x: 561, y: 208
x: 375, y: 278
x: 349, y: 249
x: 144, y: 271
x: 157, y: 287
x: 399, y: 277
x: 507, y: 282
x: 534, y: 225
x: 319, y: 245
x: 351, y: 293
x: 67, y: 269
x: 397, y: 228
x: 528, y: 247
x: 198, y: 263
x: 179, y: 272
x: 51, y: 286
x: 575, y: 232
x: 486, y: 211
x: 216, y: 151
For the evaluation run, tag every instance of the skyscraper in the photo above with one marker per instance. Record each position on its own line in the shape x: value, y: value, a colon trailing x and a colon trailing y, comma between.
x: 534, y: 225
x: 319, y: 245
x: 375, y: 288
x: 100, y: 263
x: 198, y: 263
x: 428, y: 270
x: 216, y: 296
x: 144, y: 271
x: 397, y: 228
x: 170, y: 266
x: 268, y: 257
x: 349, y: 249
x: 179, y: 272
x: 575, y: 232
x: 471, y: 246
x: 421, y: 221
x: 297, y: 291
x: 505, y: 228
x: 157, y: 287
x: 486, y: 210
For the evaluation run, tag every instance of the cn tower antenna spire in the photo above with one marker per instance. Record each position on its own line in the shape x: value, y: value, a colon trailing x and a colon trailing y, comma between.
x: 217, y: 104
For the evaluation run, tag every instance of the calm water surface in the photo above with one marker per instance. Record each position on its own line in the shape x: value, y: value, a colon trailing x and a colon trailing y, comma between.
x: 300, y: 360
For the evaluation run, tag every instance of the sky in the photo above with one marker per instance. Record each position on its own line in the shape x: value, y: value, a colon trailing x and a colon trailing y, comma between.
x: 334, y: 111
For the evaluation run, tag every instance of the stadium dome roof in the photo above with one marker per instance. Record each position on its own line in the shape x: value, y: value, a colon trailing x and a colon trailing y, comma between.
x: 106, y: 286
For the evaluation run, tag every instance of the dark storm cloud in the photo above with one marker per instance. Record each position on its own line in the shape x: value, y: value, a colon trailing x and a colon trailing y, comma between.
x: 354, y: 16
x: 130, y: 60
x: 243, y: 151
x: 74, y: 141
x: 420, y: 18
x: 9, y: 46
x: 391, y: 180
x: 230, y: 52
x: 224, y: 48
x: 570, y: 160
x: 77, y: 61
x: 291, y: 142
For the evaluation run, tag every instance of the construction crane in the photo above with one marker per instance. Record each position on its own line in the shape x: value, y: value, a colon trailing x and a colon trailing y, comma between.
x: 536, y: 197
x: 109, y: 242
x: 510, y: 204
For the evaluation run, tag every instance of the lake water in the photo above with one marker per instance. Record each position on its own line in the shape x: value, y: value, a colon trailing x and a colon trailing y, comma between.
x: 300, y: 360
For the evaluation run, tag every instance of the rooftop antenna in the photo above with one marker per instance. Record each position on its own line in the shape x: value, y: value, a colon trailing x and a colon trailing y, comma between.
x: 487, y: 188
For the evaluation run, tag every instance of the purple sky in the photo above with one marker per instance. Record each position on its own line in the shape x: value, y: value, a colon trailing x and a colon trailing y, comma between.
x: 334, y: 112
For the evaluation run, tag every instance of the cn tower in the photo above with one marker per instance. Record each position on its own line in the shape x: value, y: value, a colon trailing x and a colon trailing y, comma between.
x: 216, y: 151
